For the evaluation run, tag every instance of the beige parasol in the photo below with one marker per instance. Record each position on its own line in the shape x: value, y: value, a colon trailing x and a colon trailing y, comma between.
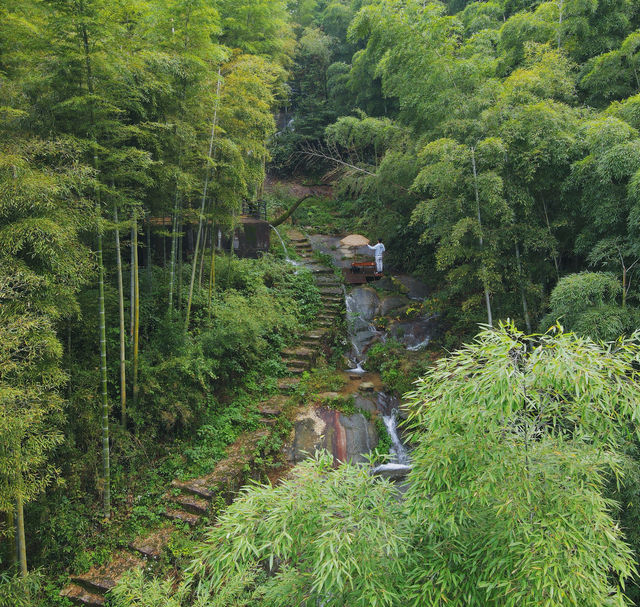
x: 354, y: 240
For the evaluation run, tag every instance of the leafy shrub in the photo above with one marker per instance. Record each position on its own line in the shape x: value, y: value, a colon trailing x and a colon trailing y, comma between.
x: 398, y: 368
x: 586, y: 303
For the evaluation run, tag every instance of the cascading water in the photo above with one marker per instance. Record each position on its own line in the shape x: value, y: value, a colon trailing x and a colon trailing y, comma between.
x: 361, y: 332
x: 284, y: 248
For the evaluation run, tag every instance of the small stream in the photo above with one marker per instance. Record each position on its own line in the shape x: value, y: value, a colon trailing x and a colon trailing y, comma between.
x: 362, y: 305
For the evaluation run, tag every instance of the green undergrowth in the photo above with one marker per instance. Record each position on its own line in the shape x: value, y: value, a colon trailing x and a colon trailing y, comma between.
x: 398, y: 367
x: 319, y: 379
x: 198, y: 393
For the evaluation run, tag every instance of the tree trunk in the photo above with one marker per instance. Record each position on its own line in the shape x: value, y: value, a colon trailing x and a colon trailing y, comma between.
x: 484, y: 269
x: 136, y: 307
x: 290, y: 211
x: 21, y: 544
x: 194, y: 262
x: 123, y: 350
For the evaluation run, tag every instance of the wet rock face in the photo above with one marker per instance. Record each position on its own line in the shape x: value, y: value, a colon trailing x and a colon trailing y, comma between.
x: 360, y: 436
x: 415, y: 288
x: 366, y: 302
x: 393, y: 302
x: 347, y: 437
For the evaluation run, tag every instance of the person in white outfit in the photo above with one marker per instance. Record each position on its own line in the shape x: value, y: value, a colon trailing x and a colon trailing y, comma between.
x: 378, y: 251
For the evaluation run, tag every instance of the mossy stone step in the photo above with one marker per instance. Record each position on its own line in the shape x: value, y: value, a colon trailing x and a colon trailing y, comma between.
x: 80, y: 596
x: 267, y: 412
x: 320, y: 269
x: 152, y: 546
x: 298, y: 362
x: 297, y: 353
x: 99, y: 580
x: 195, y: 489
x: 330, y: 290
x: 182, y: 516
x: 189, y: 503
x: 297, y: 370
x: 316, y: 334
x: 287, y: 384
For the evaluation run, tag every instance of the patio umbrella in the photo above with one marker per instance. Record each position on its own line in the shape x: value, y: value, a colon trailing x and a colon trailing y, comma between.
x: 354, y: 240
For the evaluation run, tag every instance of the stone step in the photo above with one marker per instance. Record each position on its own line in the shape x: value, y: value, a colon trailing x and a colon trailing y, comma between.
x: 267, y: 411
x: 316, y: 334
x: 298, y: 363
x: 320, y: 269
x: 268, y: 421
x: 298, y: 353
x: 311, y: 344
x: 189, y: 502
x: 329, y: 290
x: 182, y: 516
x: 189, y: 487
x: 333, y: 299
x: 99, y: 580
x: 297, y: 370
x: 298, y: 238
x: 287, y: 384
x: 152, y: 546
x: 327, y: 282
x: 80, y: 596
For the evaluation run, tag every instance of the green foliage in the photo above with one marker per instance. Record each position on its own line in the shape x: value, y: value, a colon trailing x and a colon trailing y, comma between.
x: 587, y: 304
x: 515, y: 437
x: 518, y: 443
x: 398, y: 368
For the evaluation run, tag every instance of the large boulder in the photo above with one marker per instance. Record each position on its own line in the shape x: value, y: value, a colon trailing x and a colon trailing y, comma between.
x: 392, y: 302
x: 361, y: 437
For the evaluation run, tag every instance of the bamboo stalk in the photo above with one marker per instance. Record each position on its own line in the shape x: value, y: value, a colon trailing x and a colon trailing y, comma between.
x: 204, y: 198
x: 148, y: 260
x: 11, y: 537
x: 525, y: 307
x: 212, y: 270
x: 204, y: 249
x: 180, y: 260
x: 106, y: 469
x: 136, y: 315
x: 484, y: 269
x: 21, y: 543
x: 123, y: 349
x: 132, y: 286
x: 172, y: 260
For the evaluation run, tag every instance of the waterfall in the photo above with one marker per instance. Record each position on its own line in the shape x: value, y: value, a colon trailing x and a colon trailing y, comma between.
x: 398, y: 451
x: 284, y: 246
x: 357, y: 326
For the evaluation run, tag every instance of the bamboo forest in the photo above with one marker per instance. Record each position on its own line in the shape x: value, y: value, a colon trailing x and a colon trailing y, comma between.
x: 320, y: 303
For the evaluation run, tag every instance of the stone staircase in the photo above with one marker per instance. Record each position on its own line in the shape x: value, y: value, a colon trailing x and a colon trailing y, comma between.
x: 190, y: 502
x: 301, y: 359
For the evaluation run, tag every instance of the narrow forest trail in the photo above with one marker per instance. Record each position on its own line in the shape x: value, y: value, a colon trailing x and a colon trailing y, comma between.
x: 189, y: 505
